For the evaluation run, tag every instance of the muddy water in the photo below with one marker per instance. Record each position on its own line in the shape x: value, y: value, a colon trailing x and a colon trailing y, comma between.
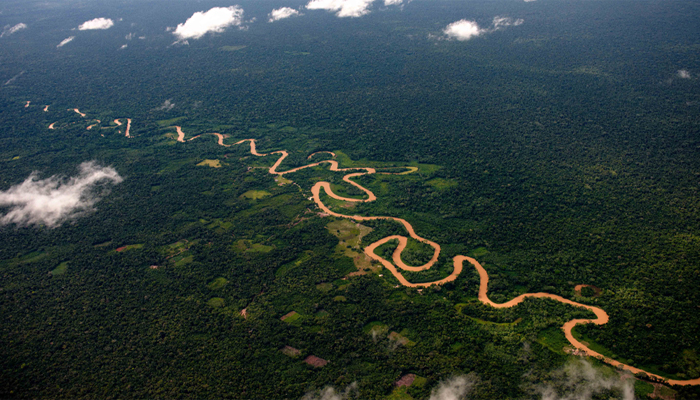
x: 78, y: 111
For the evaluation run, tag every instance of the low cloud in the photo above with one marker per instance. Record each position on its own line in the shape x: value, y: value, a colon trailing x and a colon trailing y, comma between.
x: 393, y: 2
x: 9, y: 30
x: 14, y: 78
x: 216, y: 20
x: 342, y: 8
x: 282, y: 13
x: 66, y: 41
x: 167, y: 106
x: 456, y: 388
x: 502, y: 22
x: 97, y: 23
x: 124, y: 46
x: 684, y: 74
x: 55, y: 200
x: 329, y: 393
x: 579, y: 380
x: 464, y: 29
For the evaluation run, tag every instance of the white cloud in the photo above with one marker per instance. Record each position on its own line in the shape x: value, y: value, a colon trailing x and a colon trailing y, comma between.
x: 66, y: 41
x: 167, y: 106
x: 329, y: 393
x: 501, y: 22
x: 463, y: 30
x: 56, y: 199
x: 14, y: 78
x: 282, y: 13
x: 342, y: 8
x: 455, y: 388
x: 9, y: 30
x: 215, y: 20
x: 684, y: 74
x: 392, y: 2
x: 579, y: 380
x: 129, y: 36
x: 124, y: 46
x: 97, y: 23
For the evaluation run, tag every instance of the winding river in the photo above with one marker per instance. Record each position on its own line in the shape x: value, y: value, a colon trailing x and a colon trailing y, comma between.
x: 601, y: 315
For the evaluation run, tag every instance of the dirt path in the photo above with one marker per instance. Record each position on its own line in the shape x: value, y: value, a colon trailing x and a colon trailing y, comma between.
x: 78, y: 111
x: 458, y: 261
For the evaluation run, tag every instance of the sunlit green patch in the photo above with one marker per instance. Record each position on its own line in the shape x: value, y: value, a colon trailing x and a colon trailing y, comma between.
x: 284, y: 269
x: 169, y: 122
x: 216, y: 302
x: 182, y: 260
x: 249, y: 247
x: 291, y: 317
x: 322, y: 314
x: 129, y: 247
x: 376, y: 328
x: 233, y: 48
x: 255, y: 194
x: 217, y: 283
x: 553, y: 339
x: 441, y: 184
x: 340, y: 299
x: 642, y: 389
x: 210, y: 163
x: 61, y: 269
x: 401, y: 339
x: 325, y: 287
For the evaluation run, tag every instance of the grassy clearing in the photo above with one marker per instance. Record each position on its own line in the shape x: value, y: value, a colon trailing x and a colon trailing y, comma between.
x: 376, y: 328
x: 642, y: 389
x: 216, y: 302
x: 60, y: 270
x: 210, y: 163
x: 233, y: 48
x: 169, y: 122
x: 291, y: 317
x: 217, y: 283
x: 400, y: 393
x: 281, y: 181
x: 553, y: 339
x: 129, y: 247
x: 350, y: 235
x: 294, y: 264
x: 246, y: 246
x: 255, y: 194
x: 441, y: 184
x: 325, y: 287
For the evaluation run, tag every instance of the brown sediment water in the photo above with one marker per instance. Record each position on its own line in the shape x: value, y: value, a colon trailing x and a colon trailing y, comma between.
x: 180, y: 135
x: 51, y: 126
x: 46, y: 108
x: 128, y: 127
x: 458, y: 261
x: 93, y: 125
x: 27, y: 105
x: 321, y: 152
x: 116, y: 121
x: 78, y: 111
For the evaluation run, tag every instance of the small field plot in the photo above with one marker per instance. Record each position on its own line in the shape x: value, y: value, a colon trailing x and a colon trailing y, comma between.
x: 210, y: 163
x: 61, y: 269
x: 255, y: 194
